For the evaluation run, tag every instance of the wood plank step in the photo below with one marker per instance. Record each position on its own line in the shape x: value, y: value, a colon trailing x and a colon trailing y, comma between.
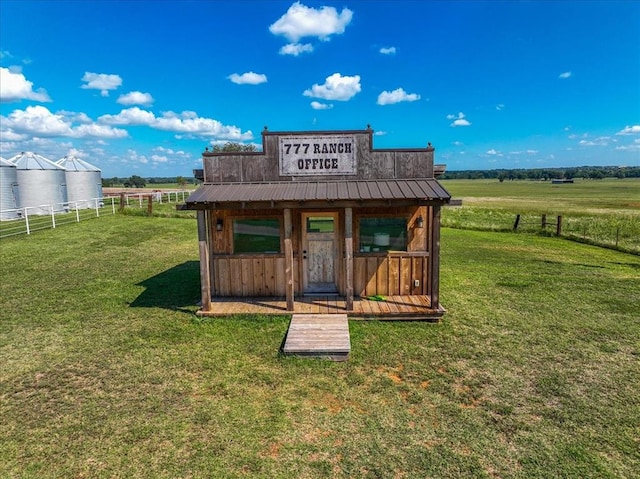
x: 318, y: 336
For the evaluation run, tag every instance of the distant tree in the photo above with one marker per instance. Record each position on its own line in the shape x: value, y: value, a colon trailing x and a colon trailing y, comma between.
x: 181, y: 181
x: 233, y: 147
x: 135, y: 182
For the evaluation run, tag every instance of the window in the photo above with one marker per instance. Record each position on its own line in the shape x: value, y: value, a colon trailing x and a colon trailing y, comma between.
x: 256, y: 236
x: 383, y: 234
x: 320, y: 224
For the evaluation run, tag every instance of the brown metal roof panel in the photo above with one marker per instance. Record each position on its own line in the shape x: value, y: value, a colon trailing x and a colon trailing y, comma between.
x: 396, y: 189
x: 383, y: 189
x: 332, y: 191
x: 321, y: 191
x: 343, y: 191
x: 352, y: 191
x: 417, y: 190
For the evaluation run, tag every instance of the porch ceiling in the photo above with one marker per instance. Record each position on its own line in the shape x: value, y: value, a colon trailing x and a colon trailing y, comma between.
x: 285, y: 193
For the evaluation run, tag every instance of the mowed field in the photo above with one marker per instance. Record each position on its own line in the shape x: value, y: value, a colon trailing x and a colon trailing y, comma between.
x: 603, y: 212
x: 584, y: 197
x: 107, y: 372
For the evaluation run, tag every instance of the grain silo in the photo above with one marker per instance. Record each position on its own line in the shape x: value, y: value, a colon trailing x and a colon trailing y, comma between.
x: 84, y: 182
x: 42, y: 184
x: 8, y: 190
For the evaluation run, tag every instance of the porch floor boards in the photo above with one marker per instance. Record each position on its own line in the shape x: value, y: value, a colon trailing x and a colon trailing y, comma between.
x: 392, y: 308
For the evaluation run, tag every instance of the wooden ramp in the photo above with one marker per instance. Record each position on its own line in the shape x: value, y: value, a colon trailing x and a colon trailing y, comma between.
x: 318, y: 336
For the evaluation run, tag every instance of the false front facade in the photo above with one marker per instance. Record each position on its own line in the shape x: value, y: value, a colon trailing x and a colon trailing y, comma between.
x: 321, y: 214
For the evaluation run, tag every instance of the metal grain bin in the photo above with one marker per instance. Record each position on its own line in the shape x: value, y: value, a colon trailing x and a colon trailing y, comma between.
x: 8, y: 190
x: 84, y: 182
x: 42, y: 184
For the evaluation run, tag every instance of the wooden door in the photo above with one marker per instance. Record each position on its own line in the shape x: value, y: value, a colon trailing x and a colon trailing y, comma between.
x: 319, y: 252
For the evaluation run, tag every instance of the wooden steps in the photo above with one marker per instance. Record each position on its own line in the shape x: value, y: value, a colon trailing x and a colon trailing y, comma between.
x: 323, y: 336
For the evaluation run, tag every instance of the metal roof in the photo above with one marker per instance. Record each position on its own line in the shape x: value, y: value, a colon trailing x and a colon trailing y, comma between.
x: 71, y: 163
x: 32, y: 161
x: 392, y: 191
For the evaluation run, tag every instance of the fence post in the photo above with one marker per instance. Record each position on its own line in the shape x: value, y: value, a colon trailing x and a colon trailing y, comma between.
x: 544, y: 221
x: 515, y: 225
x: 113, y: 205
x: 150, y: 205
x: 122, y: 202
x: 26, y: 220
x: 559, y: 226
x: 77, y: 213
x: 53, y: 218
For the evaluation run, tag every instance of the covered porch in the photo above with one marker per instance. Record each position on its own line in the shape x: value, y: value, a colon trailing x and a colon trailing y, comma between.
x: 395, y: 307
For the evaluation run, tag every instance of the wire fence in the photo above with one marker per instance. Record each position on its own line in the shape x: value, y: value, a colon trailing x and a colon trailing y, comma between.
x: 29, y: 219
x: 619, y: 231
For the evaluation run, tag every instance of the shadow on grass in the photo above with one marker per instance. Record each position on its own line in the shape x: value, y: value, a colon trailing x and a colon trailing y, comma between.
x: 176, y: 289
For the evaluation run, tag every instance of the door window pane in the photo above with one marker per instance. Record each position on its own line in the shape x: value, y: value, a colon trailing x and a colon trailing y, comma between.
x: 320, y: 224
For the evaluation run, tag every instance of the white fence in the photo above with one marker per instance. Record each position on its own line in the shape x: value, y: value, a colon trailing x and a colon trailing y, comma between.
x: 33, y: 218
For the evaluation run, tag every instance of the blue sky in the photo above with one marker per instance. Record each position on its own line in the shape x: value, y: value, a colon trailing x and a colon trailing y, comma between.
x: 143, y: 87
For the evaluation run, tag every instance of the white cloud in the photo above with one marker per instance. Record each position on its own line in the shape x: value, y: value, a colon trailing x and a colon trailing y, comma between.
x: 159, y: 159
x: 336, y: 87
x: 396, y: 96
x: 388, y: 50
x: 565, y: 75
x: 499, y: 107
x: 316, y: 105
x: 248, y: 78
x: 460, y: 120
x: 130, y: 116
x: 186, y: 122
x: 301, y: 21
x: 600, y: 141
x: 38, y: 121
x: 379, y: 133
x: 635, y: 146
x: 101, y: 81
x: 15, y: 87
x: 575, y: 136
x: 458, y: 143
x: 296, y: 49
x: 136, y: 98
x: 629, y: 130
x: 493, y: 151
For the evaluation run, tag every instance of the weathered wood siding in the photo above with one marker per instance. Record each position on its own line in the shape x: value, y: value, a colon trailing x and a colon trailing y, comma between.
x: 392, y: 273
x: 372, y: 164
x: 249, y: 275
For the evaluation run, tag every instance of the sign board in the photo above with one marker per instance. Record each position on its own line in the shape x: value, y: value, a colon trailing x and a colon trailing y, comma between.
x: 317, y: 155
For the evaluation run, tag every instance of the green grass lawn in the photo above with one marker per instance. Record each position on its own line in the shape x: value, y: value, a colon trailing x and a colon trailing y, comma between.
x: 106, y: 371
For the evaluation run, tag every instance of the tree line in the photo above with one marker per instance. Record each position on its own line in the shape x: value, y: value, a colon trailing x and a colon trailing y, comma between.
x: 568, y: 173
x: 136, y: 181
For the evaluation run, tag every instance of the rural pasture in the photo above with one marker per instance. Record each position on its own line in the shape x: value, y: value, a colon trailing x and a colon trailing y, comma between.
x: 107, y: 372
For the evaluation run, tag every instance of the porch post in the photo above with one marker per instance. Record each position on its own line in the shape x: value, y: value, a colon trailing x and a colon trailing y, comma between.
x: 203, y: 245
x: 348, y: 257
x: 435, y: 258
x: 288, y: 259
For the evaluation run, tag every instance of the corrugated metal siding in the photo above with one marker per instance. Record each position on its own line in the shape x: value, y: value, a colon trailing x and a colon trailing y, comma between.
x: 419, y: 189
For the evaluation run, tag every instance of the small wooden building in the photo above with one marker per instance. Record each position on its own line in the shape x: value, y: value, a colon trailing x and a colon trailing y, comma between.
x: 320, y: 214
